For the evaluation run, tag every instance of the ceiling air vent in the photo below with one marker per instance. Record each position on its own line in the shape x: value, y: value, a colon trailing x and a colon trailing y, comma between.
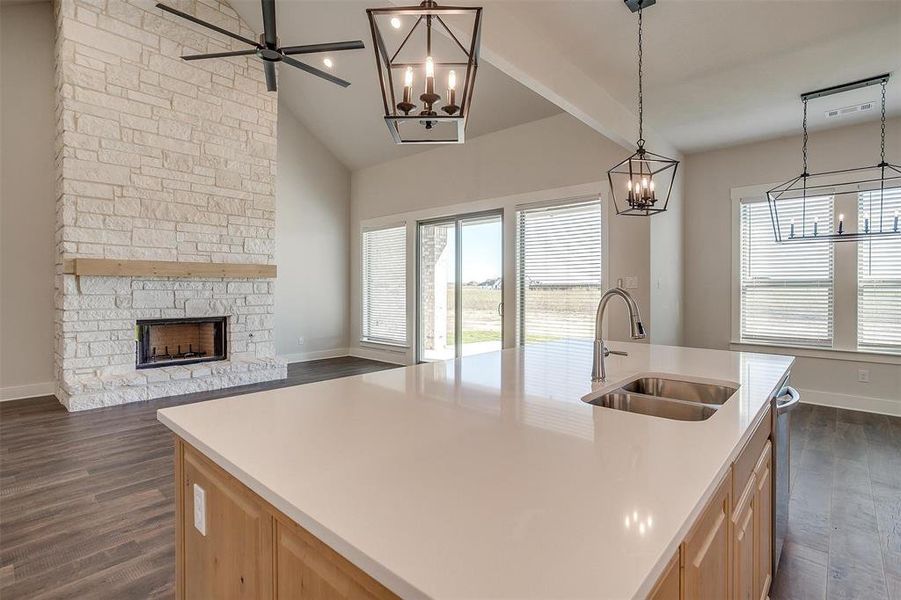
x: 836, y: 113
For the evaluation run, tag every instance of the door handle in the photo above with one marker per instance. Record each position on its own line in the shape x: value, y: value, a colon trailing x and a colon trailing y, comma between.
x: 787, y: 399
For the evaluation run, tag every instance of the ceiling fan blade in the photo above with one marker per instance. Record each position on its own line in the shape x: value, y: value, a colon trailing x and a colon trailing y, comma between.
x: 330, y: 47
x: 269, y: 34
x: 219, y: 55
x: 269, y: 70
x: 194, y: 19
x: 314, y: 71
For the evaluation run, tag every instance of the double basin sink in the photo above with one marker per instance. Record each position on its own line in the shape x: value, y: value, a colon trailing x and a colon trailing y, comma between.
x: 667, y: 398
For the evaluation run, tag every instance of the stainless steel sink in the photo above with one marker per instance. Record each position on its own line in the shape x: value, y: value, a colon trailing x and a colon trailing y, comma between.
x: 667, y: 398
x: 656, y: 406
x: 688, y: 391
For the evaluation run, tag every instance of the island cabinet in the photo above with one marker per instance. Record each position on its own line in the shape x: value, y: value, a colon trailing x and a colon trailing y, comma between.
x: 728, y: 550
x: 248, y: 549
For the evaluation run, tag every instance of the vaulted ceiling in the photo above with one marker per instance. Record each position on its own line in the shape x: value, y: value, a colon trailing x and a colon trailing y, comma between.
x: 718, y: 72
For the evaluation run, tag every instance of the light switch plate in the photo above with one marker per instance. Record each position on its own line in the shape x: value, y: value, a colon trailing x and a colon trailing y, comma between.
x: 199, y: 509
x: 863, y: 375
x: 630, y: 283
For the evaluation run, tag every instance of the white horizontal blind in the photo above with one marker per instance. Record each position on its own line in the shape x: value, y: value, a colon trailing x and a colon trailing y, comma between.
x: 786, y: 289
x: 558, y: 270
x: 879, y: 274
x: 385, y: 285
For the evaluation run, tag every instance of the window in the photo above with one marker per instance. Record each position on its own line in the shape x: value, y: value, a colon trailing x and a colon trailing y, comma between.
x: 879, y: 275
x: 786, y: 289
x: 385, y: 285
x: 558, y: 270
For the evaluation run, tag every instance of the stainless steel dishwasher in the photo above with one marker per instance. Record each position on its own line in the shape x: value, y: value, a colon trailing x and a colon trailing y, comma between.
x: 783, y: 403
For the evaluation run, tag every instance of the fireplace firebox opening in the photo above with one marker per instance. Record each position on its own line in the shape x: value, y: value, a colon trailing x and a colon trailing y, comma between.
x: 164, y: 342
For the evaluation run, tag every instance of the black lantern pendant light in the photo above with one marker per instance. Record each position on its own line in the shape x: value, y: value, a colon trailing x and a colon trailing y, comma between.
x: 418, y: 48
x: 875, y: 187
x: 641, y: 184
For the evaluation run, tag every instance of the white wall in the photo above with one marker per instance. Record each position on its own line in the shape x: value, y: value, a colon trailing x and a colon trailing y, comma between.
x: 27, y: 200
x: 312, y: 245
x: 709, y: 177
x: 558, y: 152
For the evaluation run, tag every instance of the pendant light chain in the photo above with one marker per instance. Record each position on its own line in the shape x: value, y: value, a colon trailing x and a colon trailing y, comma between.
x: 804, y: 142
x: 882, y: 141
x: 640, y: 89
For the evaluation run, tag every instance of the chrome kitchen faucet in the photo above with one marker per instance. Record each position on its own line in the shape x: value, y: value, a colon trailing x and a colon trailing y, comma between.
x: 598, y: 370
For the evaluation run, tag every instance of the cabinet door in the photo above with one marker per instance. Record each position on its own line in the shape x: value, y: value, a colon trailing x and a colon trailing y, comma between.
x: 307, y: 568
x: 743, y: 546
x: 763, y: 524
x: 669, y: 586
x: 707, y: 548
x: 232, y: 561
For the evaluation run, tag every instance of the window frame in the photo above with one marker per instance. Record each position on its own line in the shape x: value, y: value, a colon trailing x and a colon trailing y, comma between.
x: 844, y: 316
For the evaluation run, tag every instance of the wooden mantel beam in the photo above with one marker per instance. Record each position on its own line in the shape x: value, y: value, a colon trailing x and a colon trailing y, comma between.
x: 113, y: 267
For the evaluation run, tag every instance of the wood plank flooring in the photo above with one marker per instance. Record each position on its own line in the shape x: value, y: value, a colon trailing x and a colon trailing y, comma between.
x: 86, y: 499
x: 844, y: 529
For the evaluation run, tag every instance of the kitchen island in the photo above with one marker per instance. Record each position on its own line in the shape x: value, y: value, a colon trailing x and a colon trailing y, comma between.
x: 488, y: 476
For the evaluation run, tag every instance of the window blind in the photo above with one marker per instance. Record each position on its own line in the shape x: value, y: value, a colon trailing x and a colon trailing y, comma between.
x: 559, y: 280
x: 879, y: 275
x: 786, y: 289
x: 385, y: 285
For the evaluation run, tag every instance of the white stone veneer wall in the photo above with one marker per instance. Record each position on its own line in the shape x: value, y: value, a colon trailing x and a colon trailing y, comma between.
x: 159, y: 159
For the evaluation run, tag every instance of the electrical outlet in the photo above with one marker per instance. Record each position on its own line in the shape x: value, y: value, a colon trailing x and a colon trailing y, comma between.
x: 199, y: 509
x: 301, y: 341
x: 863, y: 375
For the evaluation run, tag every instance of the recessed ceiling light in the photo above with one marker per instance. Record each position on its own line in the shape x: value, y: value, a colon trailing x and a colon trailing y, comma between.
x: 395, y: 22
x: 328, y: 62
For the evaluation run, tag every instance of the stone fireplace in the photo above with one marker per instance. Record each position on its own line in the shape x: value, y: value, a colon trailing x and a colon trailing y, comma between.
x: 161, y: 163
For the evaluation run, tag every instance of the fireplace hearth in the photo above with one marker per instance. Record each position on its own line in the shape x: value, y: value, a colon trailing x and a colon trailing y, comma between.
x: 165, y: 342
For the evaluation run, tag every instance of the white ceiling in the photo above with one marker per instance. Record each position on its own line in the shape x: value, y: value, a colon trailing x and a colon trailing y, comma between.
x: 349, y: 121
x: 720, y: 72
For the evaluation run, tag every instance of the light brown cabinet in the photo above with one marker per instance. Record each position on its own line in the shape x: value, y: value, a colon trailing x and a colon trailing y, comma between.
x: 728, y: 551
x: 250, y: 550
x: 706, y: 550
x: 669, y: 586
x: 763, y: 524
x: 743, y: 547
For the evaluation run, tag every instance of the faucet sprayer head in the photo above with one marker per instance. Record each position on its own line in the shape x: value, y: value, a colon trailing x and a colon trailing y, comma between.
x: 638, y: 332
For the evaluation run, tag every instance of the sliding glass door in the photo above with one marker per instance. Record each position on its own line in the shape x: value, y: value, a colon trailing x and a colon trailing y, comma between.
x: 460, y: 287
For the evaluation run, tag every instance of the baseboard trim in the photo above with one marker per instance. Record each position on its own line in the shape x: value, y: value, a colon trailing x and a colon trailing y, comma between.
x: 31, y: 390
x: 315, y: 355
x: 868, y: 404
x: 388, y: 356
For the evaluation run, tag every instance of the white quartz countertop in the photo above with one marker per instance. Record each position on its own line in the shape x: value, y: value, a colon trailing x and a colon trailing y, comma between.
x: 489, y: 476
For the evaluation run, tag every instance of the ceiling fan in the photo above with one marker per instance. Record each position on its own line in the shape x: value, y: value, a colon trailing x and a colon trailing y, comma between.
x: 268, y: 49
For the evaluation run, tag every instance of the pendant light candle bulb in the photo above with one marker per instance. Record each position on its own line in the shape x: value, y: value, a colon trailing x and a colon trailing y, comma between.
x: 452, y: 88
x: 791, y: 228
x: 866, y: 223
x: 429, y: 76
x: 816, y: 224
x: 895, y: 228
x: 408, y: 90
x: 841, y: 223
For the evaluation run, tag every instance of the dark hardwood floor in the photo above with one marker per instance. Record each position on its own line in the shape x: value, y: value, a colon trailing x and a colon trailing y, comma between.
x: 844, y: 530
x: 86, y: 499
